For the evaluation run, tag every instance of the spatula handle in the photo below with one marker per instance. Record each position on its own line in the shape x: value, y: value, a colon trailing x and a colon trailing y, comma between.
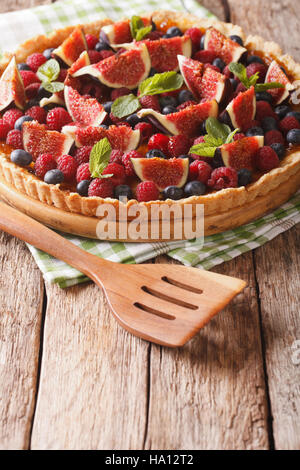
x: 29, y: 230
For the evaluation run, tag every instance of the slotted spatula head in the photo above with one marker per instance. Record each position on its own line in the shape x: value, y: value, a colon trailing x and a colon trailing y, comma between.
x: 166, y: 304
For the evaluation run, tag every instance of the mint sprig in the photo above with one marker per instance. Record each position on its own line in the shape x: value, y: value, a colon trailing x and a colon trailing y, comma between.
x: 217, y: 135
x: 155, y: 85
x: 99, y: 158
x: 239, y: 70
x: 48, y: 73
x: 138, y: 29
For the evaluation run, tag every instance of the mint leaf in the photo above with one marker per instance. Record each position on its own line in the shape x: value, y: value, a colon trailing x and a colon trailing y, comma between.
x: 213, y: 141
x: 160, y: 83
x: 231, y: 135
x: 203, y: 149
x: 217, y: 135
x: 99, y: 158
x: 125, y: 105
x: 53, y: 87
x: 240, y: 72
x: 49, y: 71
x: 138, y: 29
x: 267, y: 86
x: 216, y: 129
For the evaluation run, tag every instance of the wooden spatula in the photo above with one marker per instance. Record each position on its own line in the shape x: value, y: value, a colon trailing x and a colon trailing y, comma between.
x: 163, y: 303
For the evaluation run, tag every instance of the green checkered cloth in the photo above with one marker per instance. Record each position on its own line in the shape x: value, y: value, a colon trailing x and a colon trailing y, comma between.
x: 16, y: 27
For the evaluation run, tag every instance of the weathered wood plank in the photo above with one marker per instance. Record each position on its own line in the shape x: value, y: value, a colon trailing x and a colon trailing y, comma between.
x: 93, y: 385
x: 12, y: 5
x: 21, y: 293
x: 211, y: 393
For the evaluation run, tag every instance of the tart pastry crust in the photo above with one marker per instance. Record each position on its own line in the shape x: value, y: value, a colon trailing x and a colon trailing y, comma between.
x: 224, y: 202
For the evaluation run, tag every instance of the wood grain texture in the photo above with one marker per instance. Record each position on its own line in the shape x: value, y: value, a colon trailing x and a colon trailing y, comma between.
x: 21, y: 293
x: 13, y: 5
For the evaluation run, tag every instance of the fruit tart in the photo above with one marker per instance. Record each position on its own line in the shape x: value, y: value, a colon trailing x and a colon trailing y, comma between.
x: 151, y: 111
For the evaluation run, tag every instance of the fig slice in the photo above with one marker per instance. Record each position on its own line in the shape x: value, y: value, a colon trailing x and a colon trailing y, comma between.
x: 11, y: 87
x: 55, y: 98
x: 127, y: 69
x: 163, y: 173
x: 276, y: 74
x: 72, y: 47
x: 240, y: 153
x: 85, y: 111
x: 119, y: 32
x: 242, y: 109
x: 186, y: 121
x: 82, y: 61
x: 164, y: 52
x: 222, y: 46
x: 37, y: 139
x: 120, y: 137
x: 205, y: 84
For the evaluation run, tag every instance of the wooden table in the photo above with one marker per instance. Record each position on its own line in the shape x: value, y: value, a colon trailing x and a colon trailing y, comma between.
x: 71, y: 378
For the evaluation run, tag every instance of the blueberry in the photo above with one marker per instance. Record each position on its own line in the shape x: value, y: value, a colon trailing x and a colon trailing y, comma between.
x: 168, y: 110
x: 23, y: 66
x: 168, y: 101
x: 102, y: 46
x: 194, y: 188
x: 244, y: 177
x: 174, y: 31
x: 133, y: 119
x: 155, y: 153
x: 217, y: 159
x: 237, y: 39
x: 264, y: 96
x: 234, y: 83
x: 54, y: 177
x: 282, y: 111
x: 47, y: 53
x: 202, y: 129
x: 42, y: 93
x: 293, y: 136
x: 83, y: 187
x: 269, y: 124
x: 122, y: 191
x: 19, y: 122
x: 254, y: 131
x: 279, y: 149
x: 254, y: 58
x: 219, y: 63
x: 202, y: 41
x: 107, y: 106
x: 225, y: 118
x: 294, y: 114
x: 185, y: 95
x: 172, y: 192
x: 21, y: 157
x: 153, y: 25
x: 152, y: 72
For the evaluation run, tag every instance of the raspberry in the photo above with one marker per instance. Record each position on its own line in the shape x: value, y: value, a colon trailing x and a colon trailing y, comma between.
x: 117, y: 92
x: 195, y: 35
x: 4, y: 129
x: 83, y: 172
x: 11, y: 116
x: 288, y: 123
x: 264, y: 109
x: 160, y: 142
x: 240, y: 88
x: 200, y: 171
x: 82, y: 154
x: 37, y: 113
x: 266, y: 159
x: 257, y: 67
x: 91, y: 41
x: 35, y: 61
x: 57, y: 118
x: 126, y: 160
x: 227, y: 72
x: 118, y: 172
x: 14, y: 138
x: 45, y: 162
x: 239, y: 136
x: 28, y: 77
x: 32, y: 90
x: 62, y: 75
x: 101, y: 187
x: 205, y: 57
x: 186, y: 104
x: 116, y: 157
x: 274, y: 137
x: 150, y: 102
x: 154, y: 35
x: 178, y: 145
x: 105, y: 54
x: 146, y: 191
x: 94, y: 56
x: 223, y: 177
x: 68, y: 166
x: 146, y: 130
